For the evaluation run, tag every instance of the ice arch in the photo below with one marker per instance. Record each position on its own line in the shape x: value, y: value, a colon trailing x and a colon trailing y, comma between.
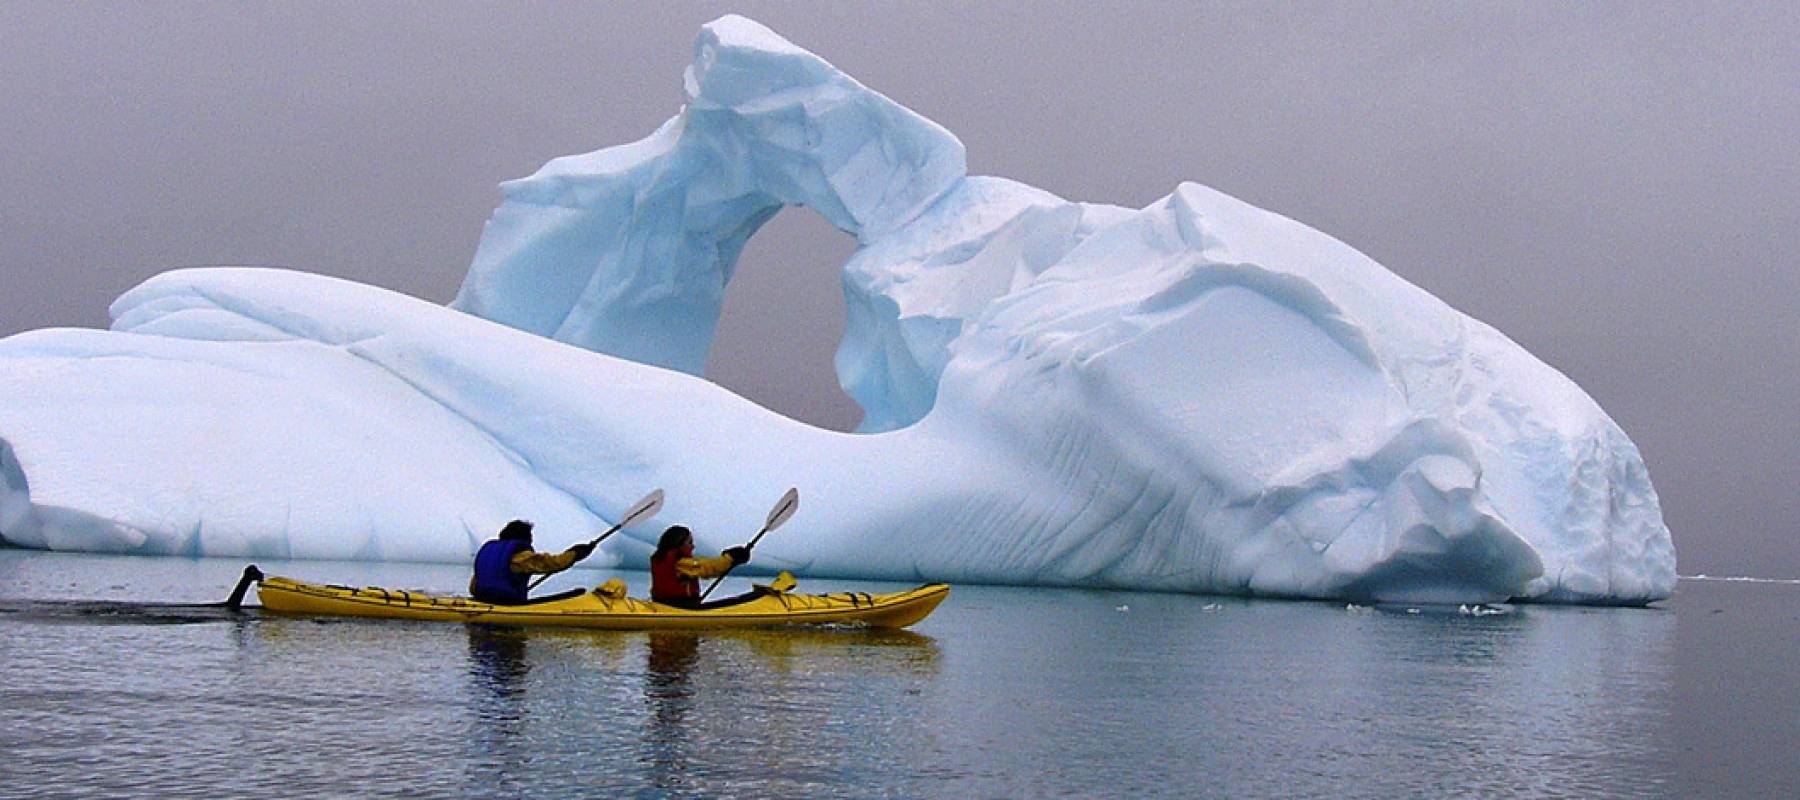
x: 627, y: 250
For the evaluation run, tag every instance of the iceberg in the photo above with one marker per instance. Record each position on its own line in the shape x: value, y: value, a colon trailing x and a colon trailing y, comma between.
x: 1195, y: 396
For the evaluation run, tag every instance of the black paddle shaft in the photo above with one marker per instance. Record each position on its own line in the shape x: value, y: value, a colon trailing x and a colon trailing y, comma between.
x: 643, y: 509
x: 784, y: 509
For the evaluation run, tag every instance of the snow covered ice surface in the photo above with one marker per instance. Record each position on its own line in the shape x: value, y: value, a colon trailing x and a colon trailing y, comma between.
x: 1196, y: 396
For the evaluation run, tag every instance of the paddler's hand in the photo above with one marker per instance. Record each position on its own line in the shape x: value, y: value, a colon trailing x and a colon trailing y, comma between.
x: 738, y: 555
x: 582, y: 550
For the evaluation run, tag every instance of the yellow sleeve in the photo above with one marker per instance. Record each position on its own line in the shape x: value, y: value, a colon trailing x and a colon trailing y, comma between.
x: 531, y: 562
x: 703, y: 567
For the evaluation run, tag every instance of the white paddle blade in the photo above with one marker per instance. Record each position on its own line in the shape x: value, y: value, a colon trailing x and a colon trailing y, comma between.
x: 790, y: 503
x: 645, y: 508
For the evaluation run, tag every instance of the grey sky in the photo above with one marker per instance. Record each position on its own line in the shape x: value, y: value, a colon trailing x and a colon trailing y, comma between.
x: 1615, y: 186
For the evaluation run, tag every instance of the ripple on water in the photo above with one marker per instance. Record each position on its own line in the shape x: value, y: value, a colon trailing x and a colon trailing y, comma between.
x: 1002, y: 692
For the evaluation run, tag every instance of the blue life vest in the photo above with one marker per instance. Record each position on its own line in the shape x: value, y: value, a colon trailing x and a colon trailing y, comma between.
x: 495, y: 582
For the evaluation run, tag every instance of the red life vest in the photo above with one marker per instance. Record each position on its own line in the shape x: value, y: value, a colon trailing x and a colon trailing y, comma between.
x: 668, y: 584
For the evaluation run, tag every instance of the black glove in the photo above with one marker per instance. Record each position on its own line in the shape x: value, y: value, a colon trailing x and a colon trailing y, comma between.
x: 738, y: 555
x: 582, y: 550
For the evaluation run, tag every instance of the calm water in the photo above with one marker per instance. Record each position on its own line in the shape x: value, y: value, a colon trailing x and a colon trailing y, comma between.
x: 1003, y: 692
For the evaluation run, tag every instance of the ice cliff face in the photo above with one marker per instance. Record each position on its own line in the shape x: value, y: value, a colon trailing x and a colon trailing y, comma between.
x: 1195, y: 396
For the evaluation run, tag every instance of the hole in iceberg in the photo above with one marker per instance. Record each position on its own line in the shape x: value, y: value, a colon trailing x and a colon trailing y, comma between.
x: 781, y: 321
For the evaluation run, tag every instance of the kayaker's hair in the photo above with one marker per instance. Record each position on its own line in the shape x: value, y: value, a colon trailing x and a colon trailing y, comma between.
x: 517, y: 529
x: 671, y: 539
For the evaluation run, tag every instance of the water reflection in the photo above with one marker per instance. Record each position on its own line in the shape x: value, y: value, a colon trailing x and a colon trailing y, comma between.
x: 1013, y: 693
x: 675, y: 714
x: 498, y: 661
x: 1243, y: 696
x: 790, y: 711
x: 499, y: 740
x: 669, y: 700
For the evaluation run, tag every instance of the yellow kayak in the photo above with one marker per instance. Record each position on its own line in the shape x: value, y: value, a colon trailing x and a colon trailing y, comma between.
x: 771, y: 605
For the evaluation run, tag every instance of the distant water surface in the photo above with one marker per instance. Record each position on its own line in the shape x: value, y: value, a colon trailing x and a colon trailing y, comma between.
x: 1003, y: 692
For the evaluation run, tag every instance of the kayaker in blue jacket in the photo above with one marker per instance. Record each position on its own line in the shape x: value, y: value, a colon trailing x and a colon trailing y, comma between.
x: 504, y: 565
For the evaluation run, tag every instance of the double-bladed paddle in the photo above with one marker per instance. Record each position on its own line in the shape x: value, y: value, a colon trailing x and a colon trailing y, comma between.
x: 644, y: 509
x: 784, y: 509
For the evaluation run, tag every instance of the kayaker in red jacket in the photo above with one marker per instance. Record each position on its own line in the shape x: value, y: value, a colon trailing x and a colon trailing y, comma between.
x: 505, y: 564
x: 675, y: 573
